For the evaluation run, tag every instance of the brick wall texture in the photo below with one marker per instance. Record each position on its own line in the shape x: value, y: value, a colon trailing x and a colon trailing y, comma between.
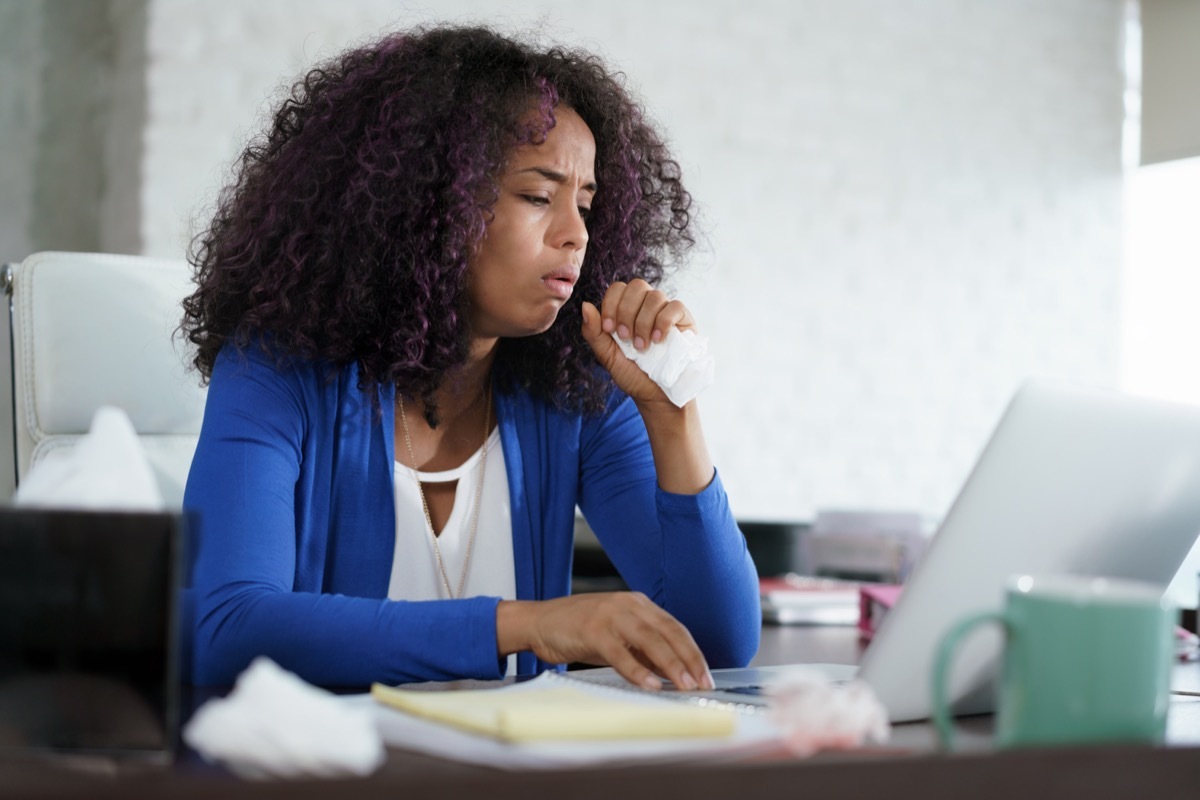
x: 908, y: 207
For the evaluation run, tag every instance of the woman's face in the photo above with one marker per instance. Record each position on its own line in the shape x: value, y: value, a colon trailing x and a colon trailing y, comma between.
x: 529, y: 260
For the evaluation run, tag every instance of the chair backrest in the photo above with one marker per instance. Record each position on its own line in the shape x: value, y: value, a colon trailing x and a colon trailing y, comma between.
x: 89, y: 330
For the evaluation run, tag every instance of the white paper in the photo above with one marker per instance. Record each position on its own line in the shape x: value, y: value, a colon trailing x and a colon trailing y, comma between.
x: 273, y: 724
x: 755, y: 733
x: 680, y: 363
x: 106, y: 469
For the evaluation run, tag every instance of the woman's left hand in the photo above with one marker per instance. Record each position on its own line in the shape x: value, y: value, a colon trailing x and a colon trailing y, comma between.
x: 637, y: 312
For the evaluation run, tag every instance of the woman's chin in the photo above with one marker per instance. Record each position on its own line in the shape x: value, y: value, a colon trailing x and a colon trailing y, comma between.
x: 538, y: 326
x: 532, y: 325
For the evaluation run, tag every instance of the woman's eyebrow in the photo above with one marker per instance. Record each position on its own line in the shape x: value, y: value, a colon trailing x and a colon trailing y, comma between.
x: 557, y: 177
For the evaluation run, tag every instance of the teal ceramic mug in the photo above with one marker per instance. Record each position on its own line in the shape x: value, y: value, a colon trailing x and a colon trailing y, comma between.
x: 1086, y: 660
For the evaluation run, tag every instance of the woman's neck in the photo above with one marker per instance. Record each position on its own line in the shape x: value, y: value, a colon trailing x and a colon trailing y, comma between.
x: 464, y: 387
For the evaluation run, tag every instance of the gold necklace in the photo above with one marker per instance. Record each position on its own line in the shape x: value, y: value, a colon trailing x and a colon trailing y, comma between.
x: 437, y: 551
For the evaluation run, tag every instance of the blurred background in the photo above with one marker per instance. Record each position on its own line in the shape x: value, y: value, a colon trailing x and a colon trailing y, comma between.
x: 907, y: 207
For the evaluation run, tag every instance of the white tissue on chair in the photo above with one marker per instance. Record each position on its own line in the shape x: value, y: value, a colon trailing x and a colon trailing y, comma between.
x: 274, y: 725
x: 815, y: 714
x: 680, y: 363
x: 106, y: 468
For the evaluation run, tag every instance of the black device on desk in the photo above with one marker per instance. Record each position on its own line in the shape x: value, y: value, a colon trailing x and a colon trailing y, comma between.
x: 89, y: 631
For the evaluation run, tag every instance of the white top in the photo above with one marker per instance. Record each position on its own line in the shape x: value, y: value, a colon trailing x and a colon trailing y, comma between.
x: 415, y: 574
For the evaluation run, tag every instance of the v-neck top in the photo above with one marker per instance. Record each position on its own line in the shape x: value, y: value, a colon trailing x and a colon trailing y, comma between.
x: 292, y: 496
x: 490, y: 572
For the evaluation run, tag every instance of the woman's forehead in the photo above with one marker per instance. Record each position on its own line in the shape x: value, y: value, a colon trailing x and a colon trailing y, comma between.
x: 568, y: 147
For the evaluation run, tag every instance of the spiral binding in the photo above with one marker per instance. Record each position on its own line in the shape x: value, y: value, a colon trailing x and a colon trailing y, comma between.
x: 616, y: 683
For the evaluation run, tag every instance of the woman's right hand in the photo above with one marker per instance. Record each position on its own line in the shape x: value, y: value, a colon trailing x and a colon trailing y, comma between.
x: 623, y: 630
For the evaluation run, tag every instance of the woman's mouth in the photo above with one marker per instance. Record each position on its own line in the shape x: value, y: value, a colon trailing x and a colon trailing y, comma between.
x: 561, y: 282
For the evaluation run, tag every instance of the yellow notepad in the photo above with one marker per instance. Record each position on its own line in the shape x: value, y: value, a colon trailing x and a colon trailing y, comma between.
x: 554, y: 708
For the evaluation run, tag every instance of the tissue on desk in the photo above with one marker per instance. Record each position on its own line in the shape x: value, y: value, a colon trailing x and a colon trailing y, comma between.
x: 680, y: 363
x: 815, y: 714
x: 274, y: 725
x: 106, y: 468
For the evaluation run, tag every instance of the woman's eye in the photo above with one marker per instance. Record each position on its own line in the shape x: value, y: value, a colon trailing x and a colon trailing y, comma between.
x: 534, y: 200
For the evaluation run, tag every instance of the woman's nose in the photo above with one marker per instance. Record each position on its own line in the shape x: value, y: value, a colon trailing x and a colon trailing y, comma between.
x: 569, y: 230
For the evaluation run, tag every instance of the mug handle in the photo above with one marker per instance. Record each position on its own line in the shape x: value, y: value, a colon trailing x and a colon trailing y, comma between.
x: 941, y: 666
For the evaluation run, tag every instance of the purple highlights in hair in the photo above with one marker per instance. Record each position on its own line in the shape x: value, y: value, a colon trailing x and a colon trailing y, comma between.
x: 346, y: 234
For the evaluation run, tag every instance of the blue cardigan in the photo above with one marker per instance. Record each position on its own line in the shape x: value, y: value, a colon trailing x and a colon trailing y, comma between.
x: 292, y: 489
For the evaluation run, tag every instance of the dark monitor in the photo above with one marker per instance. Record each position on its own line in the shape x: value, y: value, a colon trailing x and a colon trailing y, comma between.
x: 89, y: 631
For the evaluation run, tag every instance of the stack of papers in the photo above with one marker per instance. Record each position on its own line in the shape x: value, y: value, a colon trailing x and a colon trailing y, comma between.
x: 491, y: 726
x: 876, y: 546
x: 561, y: 709
x: 805, y: 600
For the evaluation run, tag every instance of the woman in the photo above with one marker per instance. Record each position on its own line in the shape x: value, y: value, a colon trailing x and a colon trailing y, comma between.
x: 413, y: 383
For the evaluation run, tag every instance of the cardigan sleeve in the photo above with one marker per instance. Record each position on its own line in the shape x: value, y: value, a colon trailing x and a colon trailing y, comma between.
x: 242, y: 491
x: 685, y: 552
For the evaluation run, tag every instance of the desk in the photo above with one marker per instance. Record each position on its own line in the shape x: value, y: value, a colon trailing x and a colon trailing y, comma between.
x: 1095, y: 773
x: 839, y: 645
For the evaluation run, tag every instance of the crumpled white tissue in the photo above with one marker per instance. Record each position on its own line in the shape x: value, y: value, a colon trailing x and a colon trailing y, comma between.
x: 274, y: 725
x: 815, y: 714
x: 680, y: 363
x: 107, y: 468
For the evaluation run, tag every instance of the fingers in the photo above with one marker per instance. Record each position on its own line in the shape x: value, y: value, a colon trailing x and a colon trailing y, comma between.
x: 633, y: 669
x: 661, y: 646
x: 624, y: 630
x: 592, y: 330
x: 638, y: 312
x: 602, y: 345
x: 639, y: 315
x: 630, y: 378
x: 637, y: 309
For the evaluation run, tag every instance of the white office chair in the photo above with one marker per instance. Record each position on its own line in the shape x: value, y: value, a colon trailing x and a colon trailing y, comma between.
x: 89, y: 330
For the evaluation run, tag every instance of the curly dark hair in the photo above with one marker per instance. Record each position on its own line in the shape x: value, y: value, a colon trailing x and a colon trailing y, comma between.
x: 347, y: 233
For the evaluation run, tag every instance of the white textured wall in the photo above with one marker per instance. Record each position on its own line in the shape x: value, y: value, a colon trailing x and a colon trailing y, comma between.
x: 71, y: 120
x: 21, y: 59
x: 910, y: 205
x: 76, y: 108
x: 123, y: 148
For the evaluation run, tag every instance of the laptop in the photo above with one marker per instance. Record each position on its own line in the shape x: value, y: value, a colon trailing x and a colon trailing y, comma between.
x: 89, y: 632
x: 1073, y: 480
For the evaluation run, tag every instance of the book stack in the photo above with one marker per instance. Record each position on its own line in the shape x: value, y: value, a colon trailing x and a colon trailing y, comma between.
x: 872, y: 546
x: 805, y: 600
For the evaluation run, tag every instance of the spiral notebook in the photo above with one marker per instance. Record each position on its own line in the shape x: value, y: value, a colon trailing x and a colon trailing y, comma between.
x: 555, y: 708
x: 438, y: 724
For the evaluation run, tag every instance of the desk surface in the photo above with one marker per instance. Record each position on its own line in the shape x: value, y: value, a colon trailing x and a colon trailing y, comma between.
x: 840, y: 645
x: 1110, y: 772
